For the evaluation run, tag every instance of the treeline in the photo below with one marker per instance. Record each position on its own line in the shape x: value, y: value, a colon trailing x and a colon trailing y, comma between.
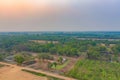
x: 94, y: 50
x: 68, y: 45
x: 8, y: 41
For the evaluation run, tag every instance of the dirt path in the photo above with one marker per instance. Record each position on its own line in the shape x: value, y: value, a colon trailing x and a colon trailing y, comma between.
x: 14, y: 72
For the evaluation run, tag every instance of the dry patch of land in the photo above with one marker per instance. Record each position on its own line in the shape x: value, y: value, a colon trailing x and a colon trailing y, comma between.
x: 60, y: 68
x: 15, y: 73
x: 44, y: 41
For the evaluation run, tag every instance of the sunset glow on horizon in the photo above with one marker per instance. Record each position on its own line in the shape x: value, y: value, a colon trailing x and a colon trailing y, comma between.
x: 35, y: 15
x: 18, y: 8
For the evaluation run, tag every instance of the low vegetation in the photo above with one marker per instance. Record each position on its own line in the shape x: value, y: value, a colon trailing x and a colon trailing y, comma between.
x: 40, y: 74
x: 19, y: 59
x: 95, y: 70
x: 60, y: 66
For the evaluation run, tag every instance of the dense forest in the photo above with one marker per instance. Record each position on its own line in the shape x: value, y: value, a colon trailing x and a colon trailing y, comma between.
x: 98, y: 52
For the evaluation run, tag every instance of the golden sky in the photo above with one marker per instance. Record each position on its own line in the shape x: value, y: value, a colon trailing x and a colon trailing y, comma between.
x: 45, y: 15
x: 18, y: 8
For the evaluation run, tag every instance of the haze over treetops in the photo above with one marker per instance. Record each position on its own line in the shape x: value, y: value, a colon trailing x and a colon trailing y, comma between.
x: 59, y: 15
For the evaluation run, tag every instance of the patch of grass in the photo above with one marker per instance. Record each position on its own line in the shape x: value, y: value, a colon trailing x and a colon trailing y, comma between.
x: 59, y: 67
x: 40, y: 74
x: 95, y: 70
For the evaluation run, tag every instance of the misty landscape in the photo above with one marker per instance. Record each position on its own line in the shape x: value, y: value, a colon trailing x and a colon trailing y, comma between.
x: 59, y: 40
x: 75, y: 55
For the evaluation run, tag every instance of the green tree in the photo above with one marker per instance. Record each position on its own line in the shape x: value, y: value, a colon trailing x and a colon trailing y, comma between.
x: 93, y: 53
x: 44, y: 56
x: 60, y: 59
x: 54, y: 64
x: 19, y: 59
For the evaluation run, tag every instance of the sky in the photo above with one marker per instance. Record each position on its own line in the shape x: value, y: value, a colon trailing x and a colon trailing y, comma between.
x: 59, y: 15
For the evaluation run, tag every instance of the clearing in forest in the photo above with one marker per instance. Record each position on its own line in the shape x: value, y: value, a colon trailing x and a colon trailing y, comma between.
x: 14, y: 72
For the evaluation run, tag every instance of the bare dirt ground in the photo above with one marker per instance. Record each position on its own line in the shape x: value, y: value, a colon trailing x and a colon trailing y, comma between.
x: 44, y: 41
x: 70, y: 65
x: 13, y: 72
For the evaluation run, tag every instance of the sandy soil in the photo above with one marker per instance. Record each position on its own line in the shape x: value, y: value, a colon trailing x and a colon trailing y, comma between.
x: 15, y: 73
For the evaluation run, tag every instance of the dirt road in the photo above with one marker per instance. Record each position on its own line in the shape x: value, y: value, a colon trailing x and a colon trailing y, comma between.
x: 14, y: 72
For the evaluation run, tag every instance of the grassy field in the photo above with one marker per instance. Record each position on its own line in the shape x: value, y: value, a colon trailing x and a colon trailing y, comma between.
x: 95, y: 70
x: 59, y: 67
x: 40, y: 74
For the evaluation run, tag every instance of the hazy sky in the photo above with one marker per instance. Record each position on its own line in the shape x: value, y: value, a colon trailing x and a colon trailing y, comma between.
x: 59, y: 15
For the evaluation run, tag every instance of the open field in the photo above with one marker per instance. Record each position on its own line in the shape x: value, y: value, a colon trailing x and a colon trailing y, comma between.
x: 95, y: 39
x: 44, y: 41
x: 13, y: 72
x: 60, y: 68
